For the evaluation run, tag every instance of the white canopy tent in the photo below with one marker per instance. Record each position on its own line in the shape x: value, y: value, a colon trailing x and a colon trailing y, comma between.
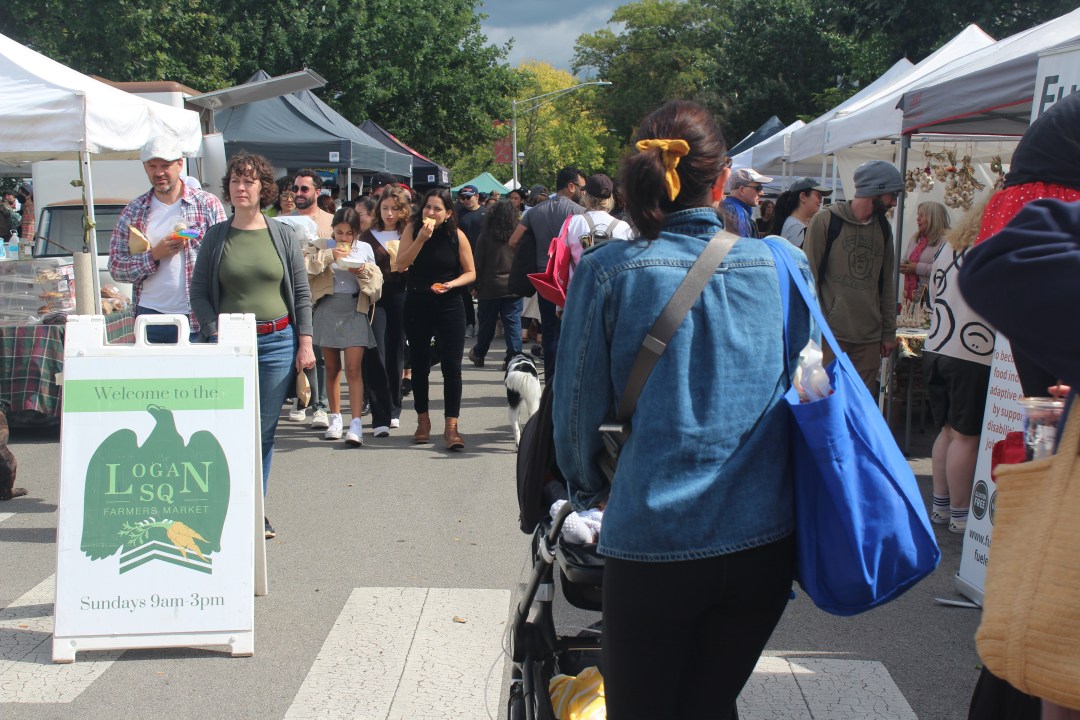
x: 989, y: 91
x: 51, y: 112
x: 875, y: 116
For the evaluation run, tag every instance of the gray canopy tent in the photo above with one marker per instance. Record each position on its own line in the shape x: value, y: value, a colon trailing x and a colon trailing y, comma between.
x: 299, y: 130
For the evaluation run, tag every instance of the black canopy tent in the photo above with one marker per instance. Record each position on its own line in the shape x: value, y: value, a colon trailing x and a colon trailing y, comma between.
x: 768, y: 128
x: 425, y: 173
x: 293, y: 131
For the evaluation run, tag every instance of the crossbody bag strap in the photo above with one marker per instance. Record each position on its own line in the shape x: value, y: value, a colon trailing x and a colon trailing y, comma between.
x: 658, y: 337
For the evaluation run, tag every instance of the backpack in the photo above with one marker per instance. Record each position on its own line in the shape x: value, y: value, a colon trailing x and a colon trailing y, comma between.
x: 553, y: 281
x: 597, y: 236
x: 836, y: 224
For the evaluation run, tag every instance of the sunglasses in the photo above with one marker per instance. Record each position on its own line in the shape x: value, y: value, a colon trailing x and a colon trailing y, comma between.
x: 302, y: 188
x: 756, y: 188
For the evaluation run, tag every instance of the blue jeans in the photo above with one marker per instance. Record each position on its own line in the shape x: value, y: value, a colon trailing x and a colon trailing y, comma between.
x: 509, y: 309
x: 551, y: 327
x: 277, y: 353
x: 161, y: 334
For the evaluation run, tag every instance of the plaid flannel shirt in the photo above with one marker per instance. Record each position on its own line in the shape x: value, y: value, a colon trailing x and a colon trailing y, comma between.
x: 200, y: 210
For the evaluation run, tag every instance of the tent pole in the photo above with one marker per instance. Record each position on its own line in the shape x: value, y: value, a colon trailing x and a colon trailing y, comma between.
x: 905, y: 144
x: 824, y: 164
x: 84, y: 268
x: 834, y: 178
x: 348, y: 181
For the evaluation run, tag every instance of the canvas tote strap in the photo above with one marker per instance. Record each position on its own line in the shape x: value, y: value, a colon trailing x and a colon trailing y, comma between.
x: 658, y: 337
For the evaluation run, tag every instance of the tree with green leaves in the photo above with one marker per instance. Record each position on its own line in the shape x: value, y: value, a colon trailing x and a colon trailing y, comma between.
x: 423, y: 71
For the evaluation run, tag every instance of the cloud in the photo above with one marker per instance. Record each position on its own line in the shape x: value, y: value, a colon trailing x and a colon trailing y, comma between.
x: 543, y: 31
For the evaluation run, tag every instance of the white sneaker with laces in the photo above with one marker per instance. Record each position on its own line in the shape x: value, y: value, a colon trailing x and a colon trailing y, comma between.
x: 333, y: 432
x: 355, y: 436
x: 395, y: 423
x: 297, y: 415
x: 381, y: 431
x: 320, y: 420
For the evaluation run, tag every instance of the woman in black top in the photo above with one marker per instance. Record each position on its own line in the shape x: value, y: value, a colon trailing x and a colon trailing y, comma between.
x: 440, y: 264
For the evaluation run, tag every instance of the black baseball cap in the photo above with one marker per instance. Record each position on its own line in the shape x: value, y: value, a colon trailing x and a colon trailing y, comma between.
x: 382, y: 180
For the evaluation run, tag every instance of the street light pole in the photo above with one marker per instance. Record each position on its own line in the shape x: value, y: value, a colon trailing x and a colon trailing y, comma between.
x: 544, y: 98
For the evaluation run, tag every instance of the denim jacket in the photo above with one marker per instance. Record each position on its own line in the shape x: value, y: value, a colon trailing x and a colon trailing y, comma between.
x: 705, y: 470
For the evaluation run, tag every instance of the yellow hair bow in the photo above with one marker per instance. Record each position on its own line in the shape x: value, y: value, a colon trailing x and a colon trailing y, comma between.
x: 670, y: 152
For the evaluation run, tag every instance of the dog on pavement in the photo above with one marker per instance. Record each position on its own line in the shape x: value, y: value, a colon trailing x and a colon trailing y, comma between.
x: 522, y: 392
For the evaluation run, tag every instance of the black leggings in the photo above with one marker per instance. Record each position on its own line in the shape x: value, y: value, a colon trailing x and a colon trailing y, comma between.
x: 443, y: 317
x: 694, y: 629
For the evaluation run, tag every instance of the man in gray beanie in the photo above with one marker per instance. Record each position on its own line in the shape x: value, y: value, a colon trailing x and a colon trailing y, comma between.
x: 850, y: 249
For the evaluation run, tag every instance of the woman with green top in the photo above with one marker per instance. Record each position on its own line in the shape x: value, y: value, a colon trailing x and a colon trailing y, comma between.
x: 254, y: 264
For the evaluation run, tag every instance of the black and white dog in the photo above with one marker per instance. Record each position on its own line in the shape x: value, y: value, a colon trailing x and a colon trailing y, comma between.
x: 522, y: 392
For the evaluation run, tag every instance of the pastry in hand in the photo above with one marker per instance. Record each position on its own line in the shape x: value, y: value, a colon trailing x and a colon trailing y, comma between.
x: 429, y: 223
x: 137, y: 242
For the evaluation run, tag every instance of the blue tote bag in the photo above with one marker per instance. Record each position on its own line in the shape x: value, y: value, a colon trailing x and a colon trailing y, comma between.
x: 863, y: 536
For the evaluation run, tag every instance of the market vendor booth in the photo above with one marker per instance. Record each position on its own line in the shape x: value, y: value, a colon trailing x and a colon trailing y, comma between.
x: 56, y: 113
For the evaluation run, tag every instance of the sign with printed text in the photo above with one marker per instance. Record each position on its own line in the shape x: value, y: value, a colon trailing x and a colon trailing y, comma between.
x: 160, y: 487
x: 1058, y: 75
x: 1003, y: 415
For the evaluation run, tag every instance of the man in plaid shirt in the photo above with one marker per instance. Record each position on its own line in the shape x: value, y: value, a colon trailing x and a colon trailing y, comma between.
x: 161, y: 276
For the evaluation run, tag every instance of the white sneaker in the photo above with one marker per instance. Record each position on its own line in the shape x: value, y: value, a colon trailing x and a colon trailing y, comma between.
x: 298, y: 415
x: 320, y: 420
x: 940, y: 516
x: 333, y: 432
x: 958, y: 526
x: 395, y: 423
x: 381, y: 431
x: 355, y: 436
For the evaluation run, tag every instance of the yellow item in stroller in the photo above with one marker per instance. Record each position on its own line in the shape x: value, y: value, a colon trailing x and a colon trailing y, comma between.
x: 578, y: 698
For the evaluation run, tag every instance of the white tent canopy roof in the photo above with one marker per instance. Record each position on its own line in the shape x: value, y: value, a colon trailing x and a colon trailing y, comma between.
x: 990, y: 91
x: 807, y: 143
x: 52, y: 112
x: 875, y: 116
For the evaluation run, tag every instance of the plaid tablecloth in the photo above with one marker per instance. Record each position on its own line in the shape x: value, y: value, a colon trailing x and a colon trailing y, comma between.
x: 32, y: 356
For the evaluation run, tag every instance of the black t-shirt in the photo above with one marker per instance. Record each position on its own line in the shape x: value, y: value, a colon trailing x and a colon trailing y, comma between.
x: 471, y: 222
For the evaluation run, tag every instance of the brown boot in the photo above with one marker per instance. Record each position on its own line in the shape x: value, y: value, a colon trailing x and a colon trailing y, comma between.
x: 423, y: 429
x: 450, y: 435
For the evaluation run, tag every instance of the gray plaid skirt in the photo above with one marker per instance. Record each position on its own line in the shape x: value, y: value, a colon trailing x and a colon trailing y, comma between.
x: 336, y: 324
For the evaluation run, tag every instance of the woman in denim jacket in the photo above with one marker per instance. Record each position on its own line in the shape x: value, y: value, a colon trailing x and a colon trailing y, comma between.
x: 698, y: 522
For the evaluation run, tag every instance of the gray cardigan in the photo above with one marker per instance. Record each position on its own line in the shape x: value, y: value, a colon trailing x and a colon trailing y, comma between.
x: 206, y: 287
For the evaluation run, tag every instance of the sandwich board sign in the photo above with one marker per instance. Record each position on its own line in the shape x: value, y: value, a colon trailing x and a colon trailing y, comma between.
x: 160, y: 519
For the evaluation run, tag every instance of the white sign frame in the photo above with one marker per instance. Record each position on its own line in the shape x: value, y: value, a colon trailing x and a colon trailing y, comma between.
x: 168, y: 587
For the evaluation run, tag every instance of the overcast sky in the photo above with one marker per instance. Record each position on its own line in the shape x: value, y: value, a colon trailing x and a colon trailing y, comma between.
x: 544, y: 31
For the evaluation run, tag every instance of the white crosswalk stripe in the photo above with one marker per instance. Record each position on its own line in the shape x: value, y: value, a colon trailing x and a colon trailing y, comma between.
x: 27, y: 672
x: 5, y: 516
x: 819, y: 689
x: 409, y: 654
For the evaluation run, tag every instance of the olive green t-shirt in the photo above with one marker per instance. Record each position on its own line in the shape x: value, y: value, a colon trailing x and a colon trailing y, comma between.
x: 250, y: 274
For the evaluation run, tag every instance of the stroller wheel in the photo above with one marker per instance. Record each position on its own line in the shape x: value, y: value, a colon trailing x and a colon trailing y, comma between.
x: 515, y: 706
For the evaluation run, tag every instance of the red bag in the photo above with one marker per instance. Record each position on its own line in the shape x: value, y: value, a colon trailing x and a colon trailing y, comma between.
x: 551, y: 284
x: 1010, y: 451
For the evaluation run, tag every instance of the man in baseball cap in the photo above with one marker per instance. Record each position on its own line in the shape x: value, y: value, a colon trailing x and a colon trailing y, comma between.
x: 850, y: 249
x: 744, y: 190
x: 161, y: 275
x: 802, y: 201
x: 380, y: 181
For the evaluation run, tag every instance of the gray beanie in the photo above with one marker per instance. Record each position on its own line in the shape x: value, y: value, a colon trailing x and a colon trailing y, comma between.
x: 877, y: 177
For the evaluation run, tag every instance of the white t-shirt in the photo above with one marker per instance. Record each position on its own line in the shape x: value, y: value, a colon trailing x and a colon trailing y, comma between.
x: 794, y: 231
x: 955, y: 329
x: 344, y: 281
x: 166, y: 289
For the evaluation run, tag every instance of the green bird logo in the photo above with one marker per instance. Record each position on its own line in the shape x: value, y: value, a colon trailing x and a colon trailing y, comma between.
x: 129, y: 486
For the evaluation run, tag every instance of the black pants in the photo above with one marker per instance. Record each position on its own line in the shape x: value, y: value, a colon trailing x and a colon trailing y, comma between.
x: 694, y: 628
x: 470, y: 309
x: 443, y: 317
x: 389, y: 329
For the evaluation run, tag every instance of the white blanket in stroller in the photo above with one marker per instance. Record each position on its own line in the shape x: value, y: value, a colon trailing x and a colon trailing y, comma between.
x: 580, y: 528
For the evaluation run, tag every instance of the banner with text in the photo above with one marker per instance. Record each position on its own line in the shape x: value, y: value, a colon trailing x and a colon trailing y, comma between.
x: 1003, y: 415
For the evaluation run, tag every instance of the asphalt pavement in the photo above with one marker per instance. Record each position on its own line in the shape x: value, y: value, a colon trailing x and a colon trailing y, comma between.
x: 391, y: 584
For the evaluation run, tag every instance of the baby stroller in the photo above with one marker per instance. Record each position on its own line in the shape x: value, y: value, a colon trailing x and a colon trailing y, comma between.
x: 538, y: 651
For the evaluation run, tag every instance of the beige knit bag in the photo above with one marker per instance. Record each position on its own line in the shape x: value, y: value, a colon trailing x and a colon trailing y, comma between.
x: 1030, y: 630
